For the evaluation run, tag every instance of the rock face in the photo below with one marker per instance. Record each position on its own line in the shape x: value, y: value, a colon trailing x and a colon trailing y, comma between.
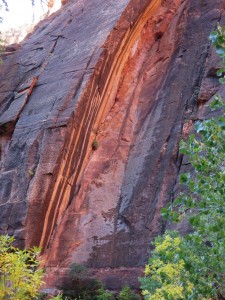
x: 130, y: 76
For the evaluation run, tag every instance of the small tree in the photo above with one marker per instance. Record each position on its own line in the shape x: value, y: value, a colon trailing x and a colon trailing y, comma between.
x: 127, y: 294
x: 20, y: 277
x: 193, y: 267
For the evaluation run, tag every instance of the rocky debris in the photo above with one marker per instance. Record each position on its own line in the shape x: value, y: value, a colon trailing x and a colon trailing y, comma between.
x: 132, y: 76
x: 11, y: 48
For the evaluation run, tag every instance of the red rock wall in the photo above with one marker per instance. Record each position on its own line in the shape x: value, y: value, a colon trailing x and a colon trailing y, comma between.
x: 133, y: 75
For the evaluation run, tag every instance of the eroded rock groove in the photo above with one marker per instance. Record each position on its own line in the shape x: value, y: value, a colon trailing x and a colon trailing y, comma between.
x: 133, y: 77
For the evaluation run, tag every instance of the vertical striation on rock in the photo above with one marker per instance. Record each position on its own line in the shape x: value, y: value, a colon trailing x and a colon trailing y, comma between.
x: 131, y: 75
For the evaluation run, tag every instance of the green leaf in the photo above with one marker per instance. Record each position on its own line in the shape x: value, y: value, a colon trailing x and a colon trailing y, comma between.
x: 222, y: 80
x: 164, y: 213
x: 213, y: 36
x: 184, y: 178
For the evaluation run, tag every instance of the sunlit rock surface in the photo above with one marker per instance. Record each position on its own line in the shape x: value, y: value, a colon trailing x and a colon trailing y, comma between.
x: 131, y: 75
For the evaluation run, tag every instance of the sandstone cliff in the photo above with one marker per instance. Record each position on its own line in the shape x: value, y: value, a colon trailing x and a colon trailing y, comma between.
x: 132, y: 75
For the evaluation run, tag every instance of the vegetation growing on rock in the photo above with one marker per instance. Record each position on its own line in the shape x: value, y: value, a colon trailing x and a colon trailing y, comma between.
x: 95, y: 145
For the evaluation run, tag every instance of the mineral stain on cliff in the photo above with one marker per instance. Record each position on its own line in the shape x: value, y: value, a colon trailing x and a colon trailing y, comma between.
x: 131, y: 75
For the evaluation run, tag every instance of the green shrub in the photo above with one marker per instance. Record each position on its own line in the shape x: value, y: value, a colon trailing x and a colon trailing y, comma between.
x: 78, y: 272
x: 81, y: 286
x: 127, y: 294
x: 58, y: 297
x: 20, y: 274
x: 165, y: 274
x: 95, y: 145
x: 102, y: 294
x: 90, y: 289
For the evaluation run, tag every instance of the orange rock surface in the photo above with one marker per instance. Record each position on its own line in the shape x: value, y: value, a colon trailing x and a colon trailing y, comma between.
x: 132, y: 76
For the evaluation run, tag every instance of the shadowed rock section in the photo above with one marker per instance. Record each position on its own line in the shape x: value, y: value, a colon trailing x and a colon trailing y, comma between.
x: 132, y: 75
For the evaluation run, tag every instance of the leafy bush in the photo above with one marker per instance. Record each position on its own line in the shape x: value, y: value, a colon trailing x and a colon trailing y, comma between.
x: 20, y: 277
x: 81, y: 285
x: 102, y: 294
x: 95, y: 145
x: 193, y: 267
x: 78, y: 272
x: 127, y: 294
x: 165, y: 273
x: 217, y: 38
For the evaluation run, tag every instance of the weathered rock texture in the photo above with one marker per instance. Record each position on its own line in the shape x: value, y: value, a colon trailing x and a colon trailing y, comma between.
x: 132, y: 75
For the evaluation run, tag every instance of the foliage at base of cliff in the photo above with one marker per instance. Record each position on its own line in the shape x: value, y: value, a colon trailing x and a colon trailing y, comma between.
x: 193, y: 267
x: 20, y: 277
